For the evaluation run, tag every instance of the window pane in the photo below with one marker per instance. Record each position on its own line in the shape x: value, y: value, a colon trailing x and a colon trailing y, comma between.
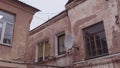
x: 61, y: 47
x: 88, y: 46
x: 93, y: 45
x: 40, y: 51
x: 1, y: 26
x: 104, y: 43
x: 8, y: 34
x: 99, y: 52
x: 7, y: 27
x: 93, y: 53
x: 7, y: 17
x: 98, y: 43
x: 47, y: 49
x: 105, y: 50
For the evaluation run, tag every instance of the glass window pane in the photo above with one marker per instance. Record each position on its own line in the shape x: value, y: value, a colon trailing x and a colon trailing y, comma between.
x: 93, y: 53
x: 93, y: 45
x: 8, y: 34
x: 40, y: 51
x: 1, y: 26
x: 61, y: 47
x: 7, y: 17
x: 47, y: 49
x: 104, y: 44
x: 88, y: 47
x: 105, y: 51
x: 99, y: 52
x: 6, y: 29
x: 98, y: 43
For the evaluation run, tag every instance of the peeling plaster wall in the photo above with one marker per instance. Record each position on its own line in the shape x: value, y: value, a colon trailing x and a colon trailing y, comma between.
x: 51, y: 32
x: 17, y: 50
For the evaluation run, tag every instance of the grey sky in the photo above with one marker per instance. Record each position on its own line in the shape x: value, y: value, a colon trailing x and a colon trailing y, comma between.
x: 49, y: 8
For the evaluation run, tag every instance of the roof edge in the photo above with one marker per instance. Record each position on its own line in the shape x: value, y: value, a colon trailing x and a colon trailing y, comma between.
x: 21, y: 5
x: 72, y: 3
x: 49, y: 22
x: 27, y: 5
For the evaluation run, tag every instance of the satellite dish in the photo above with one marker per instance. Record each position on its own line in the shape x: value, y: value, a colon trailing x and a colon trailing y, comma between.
x: 68, y: 41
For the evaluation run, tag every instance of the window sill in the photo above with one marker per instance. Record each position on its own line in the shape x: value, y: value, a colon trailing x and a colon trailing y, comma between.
x: 105, y: 59
x: 96, y: 57
x: 52, y: 58
x: 60, y: 56
x: 3, y: 44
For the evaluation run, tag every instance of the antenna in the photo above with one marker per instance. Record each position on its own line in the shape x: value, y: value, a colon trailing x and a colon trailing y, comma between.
x: 69, y: 41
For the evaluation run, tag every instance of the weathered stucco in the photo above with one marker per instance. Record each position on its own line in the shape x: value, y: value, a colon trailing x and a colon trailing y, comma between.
x: 82, y: 14
x: 50, y: 31
x: 79, y: 14
x: 17, y: 50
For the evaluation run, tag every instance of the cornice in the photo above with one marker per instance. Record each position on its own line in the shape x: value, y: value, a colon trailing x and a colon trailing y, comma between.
x: 21, y: 5
x: 73, y: 4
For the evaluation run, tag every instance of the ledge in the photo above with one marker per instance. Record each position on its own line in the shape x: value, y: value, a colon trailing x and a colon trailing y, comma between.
x: 113, y: 58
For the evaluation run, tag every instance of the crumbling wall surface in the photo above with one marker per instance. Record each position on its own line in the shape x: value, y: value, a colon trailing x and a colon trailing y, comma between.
x: 11, y: 64
x: 49, y: 30
x: 13, y: 55
x: 89, y: 13
x: 81, y: 16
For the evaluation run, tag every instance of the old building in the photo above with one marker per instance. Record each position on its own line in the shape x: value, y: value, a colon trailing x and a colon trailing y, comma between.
x: 15, y: 18
x: 95, y: 27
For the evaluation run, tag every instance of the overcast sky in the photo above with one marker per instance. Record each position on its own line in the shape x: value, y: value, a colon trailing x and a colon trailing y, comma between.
x: 49, y: 8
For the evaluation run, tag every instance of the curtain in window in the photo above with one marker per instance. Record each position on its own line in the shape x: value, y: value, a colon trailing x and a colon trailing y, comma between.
x: 61, y: 47
x: 40, y: 51
x: 8, y: 34
x: 47, y: 49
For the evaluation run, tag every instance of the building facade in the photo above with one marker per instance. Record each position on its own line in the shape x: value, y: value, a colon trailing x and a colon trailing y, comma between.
x: 95, y: 27
x: 15, y: 18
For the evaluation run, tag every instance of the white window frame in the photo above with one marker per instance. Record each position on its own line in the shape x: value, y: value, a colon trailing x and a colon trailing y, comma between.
x: 56, y: 43
x: 3, y: 32
x: 37, y: 52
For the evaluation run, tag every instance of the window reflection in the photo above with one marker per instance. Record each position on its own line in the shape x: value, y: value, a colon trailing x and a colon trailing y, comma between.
x: 6, y: 27
x: 8, y: 34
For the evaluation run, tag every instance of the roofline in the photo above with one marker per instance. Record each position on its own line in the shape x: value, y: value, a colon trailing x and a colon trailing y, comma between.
x: 27, y: 5
x: 72, y: 3
x: 49, y: 22
x: 20, y: 5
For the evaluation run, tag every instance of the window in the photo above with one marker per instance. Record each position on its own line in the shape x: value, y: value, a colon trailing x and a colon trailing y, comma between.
x: 6, y: 27
x: 61, y: 47
x: 43, y: 50
x: 95, y: 41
